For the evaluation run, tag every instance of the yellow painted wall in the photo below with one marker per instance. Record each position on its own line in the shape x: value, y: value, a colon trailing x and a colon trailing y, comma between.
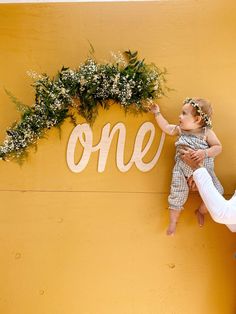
x: 95, y: 243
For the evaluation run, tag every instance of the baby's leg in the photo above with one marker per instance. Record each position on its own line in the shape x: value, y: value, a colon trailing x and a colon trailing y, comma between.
x: 200, y: 213
x: 177, y: 198
x: 174, y: 216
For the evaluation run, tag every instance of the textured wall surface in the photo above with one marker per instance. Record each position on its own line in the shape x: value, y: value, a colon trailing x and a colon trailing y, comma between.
x: 95, y: 243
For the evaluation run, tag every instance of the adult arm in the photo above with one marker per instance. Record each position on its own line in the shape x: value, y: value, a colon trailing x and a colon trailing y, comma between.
x: 221, y: 210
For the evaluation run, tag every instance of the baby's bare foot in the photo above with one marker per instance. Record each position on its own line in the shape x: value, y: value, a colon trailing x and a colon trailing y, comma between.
x: 200, y: 217
x: 171, y: 229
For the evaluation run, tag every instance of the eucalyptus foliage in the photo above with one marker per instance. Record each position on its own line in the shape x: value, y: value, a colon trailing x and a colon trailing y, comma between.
x: 127, y: 81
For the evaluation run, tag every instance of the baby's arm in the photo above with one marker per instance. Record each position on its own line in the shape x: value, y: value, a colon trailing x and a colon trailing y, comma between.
x: 214, y: 143
x: 170, y: 129
x: 214, y: 149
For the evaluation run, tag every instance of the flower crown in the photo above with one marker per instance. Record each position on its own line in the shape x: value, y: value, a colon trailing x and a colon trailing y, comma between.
x: 203, y: 115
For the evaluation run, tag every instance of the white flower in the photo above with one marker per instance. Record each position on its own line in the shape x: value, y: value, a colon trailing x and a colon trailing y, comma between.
x: 156, y: 86
x: 119, y: 58
x: 34, y: 75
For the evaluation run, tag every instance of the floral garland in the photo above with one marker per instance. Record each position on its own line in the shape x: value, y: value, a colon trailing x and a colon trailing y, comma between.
x: 128, y: 81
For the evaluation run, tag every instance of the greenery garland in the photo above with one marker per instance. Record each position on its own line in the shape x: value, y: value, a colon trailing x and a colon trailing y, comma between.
x: 128, y: 81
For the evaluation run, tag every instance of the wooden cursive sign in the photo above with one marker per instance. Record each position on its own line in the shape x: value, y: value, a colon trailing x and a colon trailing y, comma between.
x: 83, y: 133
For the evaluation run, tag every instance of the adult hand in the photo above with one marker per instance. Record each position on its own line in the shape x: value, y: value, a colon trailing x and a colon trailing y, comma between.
x: 198, y: 155
x: 186, y: 156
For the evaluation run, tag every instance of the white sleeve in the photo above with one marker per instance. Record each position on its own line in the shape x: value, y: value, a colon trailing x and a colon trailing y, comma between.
x: 221, y: 210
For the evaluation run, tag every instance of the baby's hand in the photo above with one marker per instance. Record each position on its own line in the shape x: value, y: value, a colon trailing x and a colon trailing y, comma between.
x: 154, y: 108
x: 198, y: 155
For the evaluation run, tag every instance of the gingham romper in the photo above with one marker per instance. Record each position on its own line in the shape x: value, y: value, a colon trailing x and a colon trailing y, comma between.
x: 179, y: 188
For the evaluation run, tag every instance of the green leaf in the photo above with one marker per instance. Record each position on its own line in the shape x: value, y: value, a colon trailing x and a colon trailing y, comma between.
x: 19, y: 105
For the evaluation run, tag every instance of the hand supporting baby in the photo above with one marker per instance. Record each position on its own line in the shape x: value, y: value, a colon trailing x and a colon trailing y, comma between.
x: 198, y: 155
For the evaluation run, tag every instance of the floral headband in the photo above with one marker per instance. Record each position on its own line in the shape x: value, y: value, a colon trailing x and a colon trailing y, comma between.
x: 202, y: 114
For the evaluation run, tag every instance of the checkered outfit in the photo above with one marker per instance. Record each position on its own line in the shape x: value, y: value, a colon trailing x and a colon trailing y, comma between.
x: 181, y: 172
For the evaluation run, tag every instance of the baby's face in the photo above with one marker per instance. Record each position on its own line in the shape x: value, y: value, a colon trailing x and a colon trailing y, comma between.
x: 187, y: 121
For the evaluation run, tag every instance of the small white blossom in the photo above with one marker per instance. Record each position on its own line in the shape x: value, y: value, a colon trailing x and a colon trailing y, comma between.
x: 119, y: 58
x: 34, y: 75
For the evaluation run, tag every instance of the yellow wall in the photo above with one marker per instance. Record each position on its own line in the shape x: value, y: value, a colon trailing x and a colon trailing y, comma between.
x: 95, y: 242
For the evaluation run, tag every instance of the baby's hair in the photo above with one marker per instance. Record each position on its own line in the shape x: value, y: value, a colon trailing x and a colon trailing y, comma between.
x: 202, y: 108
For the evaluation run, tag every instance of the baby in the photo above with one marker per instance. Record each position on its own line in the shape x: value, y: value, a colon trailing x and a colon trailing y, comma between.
x: 194, y: 131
